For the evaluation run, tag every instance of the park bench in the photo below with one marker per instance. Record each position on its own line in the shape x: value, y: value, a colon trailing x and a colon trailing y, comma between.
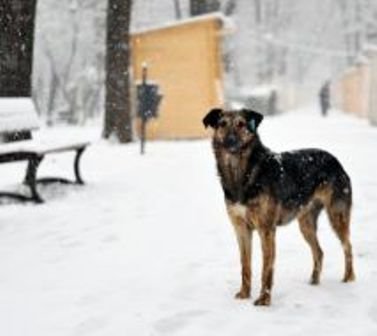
x: 18, y: 119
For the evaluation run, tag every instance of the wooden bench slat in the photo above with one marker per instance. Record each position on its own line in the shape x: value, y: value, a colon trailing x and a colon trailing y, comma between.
x: 39, y: 148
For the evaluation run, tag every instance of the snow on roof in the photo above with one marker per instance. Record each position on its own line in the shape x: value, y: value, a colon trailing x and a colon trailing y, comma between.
x: 226, y: 22
x: 17, y: 113
x: 263, y: 90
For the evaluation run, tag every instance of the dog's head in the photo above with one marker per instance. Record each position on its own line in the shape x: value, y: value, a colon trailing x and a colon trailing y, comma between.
x: 233, y: 130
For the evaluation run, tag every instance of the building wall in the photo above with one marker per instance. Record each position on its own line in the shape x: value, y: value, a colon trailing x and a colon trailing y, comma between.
x: 352, y: 91
x: 372, y: 111
x: 185, y: 60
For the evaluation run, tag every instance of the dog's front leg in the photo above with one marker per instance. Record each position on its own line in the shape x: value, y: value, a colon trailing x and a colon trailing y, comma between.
x: 267, y: 237
x: 244, y: 239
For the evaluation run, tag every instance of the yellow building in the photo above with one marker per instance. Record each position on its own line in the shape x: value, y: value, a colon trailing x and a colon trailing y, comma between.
x: 351, y: 90
x: 185, y: 60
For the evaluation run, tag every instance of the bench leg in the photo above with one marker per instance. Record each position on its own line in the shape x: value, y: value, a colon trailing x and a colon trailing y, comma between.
x: 79, y: 153
x: 31, y: 178
x: 76, y: 167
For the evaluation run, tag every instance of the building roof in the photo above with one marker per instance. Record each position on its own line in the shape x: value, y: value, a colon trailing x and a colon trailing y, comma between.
x: 225, y: 21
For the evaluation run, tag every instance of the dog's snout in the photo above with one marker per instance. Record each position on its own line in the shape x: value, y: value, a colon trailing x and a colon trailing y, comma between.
x: 231, y: 140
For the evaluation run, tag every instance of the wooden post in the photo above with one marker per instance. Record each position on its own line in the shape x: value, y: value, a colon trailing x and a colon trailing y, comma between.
x: 143, y: 132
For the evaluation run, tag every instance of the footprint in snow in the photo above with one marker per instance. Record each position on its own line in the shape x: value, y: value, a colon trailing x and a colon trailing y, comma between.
x: 90, y: 326
x: 110, y: 238
x: 177, y: 321
x: 373, y: 313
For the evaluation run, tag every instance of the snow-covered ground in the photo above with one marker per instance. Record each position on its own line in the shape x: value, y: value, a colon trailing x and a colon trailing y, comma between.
x: 145, y: 248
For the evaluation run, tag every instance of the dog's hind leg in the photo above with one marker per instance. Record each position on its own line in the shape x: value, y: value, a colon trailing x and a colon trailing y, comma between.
x: 308, y: 228
x: 244, y: 240
x: 339, y: 216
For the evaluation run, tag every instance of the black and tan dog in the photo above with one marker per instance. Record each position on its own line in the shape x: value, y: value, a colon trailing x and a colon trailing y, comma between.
x: 264, y: 189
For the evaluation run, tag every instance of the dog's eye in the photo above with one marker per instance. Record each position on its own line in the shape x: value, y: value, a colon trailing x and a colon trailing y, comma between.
x: 222, y: 123
x: 240, y: 124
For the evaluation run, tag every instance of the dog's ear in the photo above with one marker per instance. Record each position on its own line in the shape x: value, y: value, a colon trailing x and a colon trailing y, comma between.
x: 253, y: 119
x: 212, y: 118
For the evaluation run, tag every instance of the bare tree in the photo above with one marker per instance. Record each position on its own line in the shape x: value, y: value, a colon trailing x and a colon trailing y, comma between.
x: 198, y: 7
x: 177, y: 9
x: 16, y: 46
x: 118, y: 119
x: 230, y: 7
x: 69, y: 81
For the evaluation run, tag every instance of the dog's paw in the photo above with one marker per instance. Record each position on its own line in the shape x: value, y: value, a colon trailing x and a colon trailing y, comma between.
x: 263, y: 300
x: 242, y: 294
x: 349, y: 277
x: 315, y: 278
x: 314, y: 281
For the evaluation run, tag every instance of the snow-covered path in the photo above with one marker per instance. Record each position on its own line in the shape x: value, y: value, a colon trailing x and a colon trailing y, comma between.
x: 146, y: 248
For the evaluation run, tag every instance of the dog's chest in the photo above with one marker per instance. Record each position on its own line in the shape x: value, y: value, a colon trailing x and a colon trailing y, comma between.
x: 232, y: 171
x: 238, y: 214
x: 238, y: 210
x: 234, y: 166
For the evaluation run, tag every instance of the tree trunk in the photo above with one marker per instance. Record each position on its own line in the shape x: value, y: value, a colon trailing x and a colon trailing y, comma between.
x: 198, y: 7
x: 177, y: 9
x: 118, y: 119
x: 16, y: 47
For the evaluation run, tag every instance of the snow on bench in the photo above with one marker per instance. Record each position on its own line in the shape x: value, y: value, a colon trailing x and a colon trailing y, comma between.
x: 18, y: 118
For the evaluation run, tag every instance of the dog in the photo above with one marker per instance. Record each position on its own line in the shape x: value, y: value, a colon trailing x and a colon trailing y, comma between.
x: 264, y: 190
